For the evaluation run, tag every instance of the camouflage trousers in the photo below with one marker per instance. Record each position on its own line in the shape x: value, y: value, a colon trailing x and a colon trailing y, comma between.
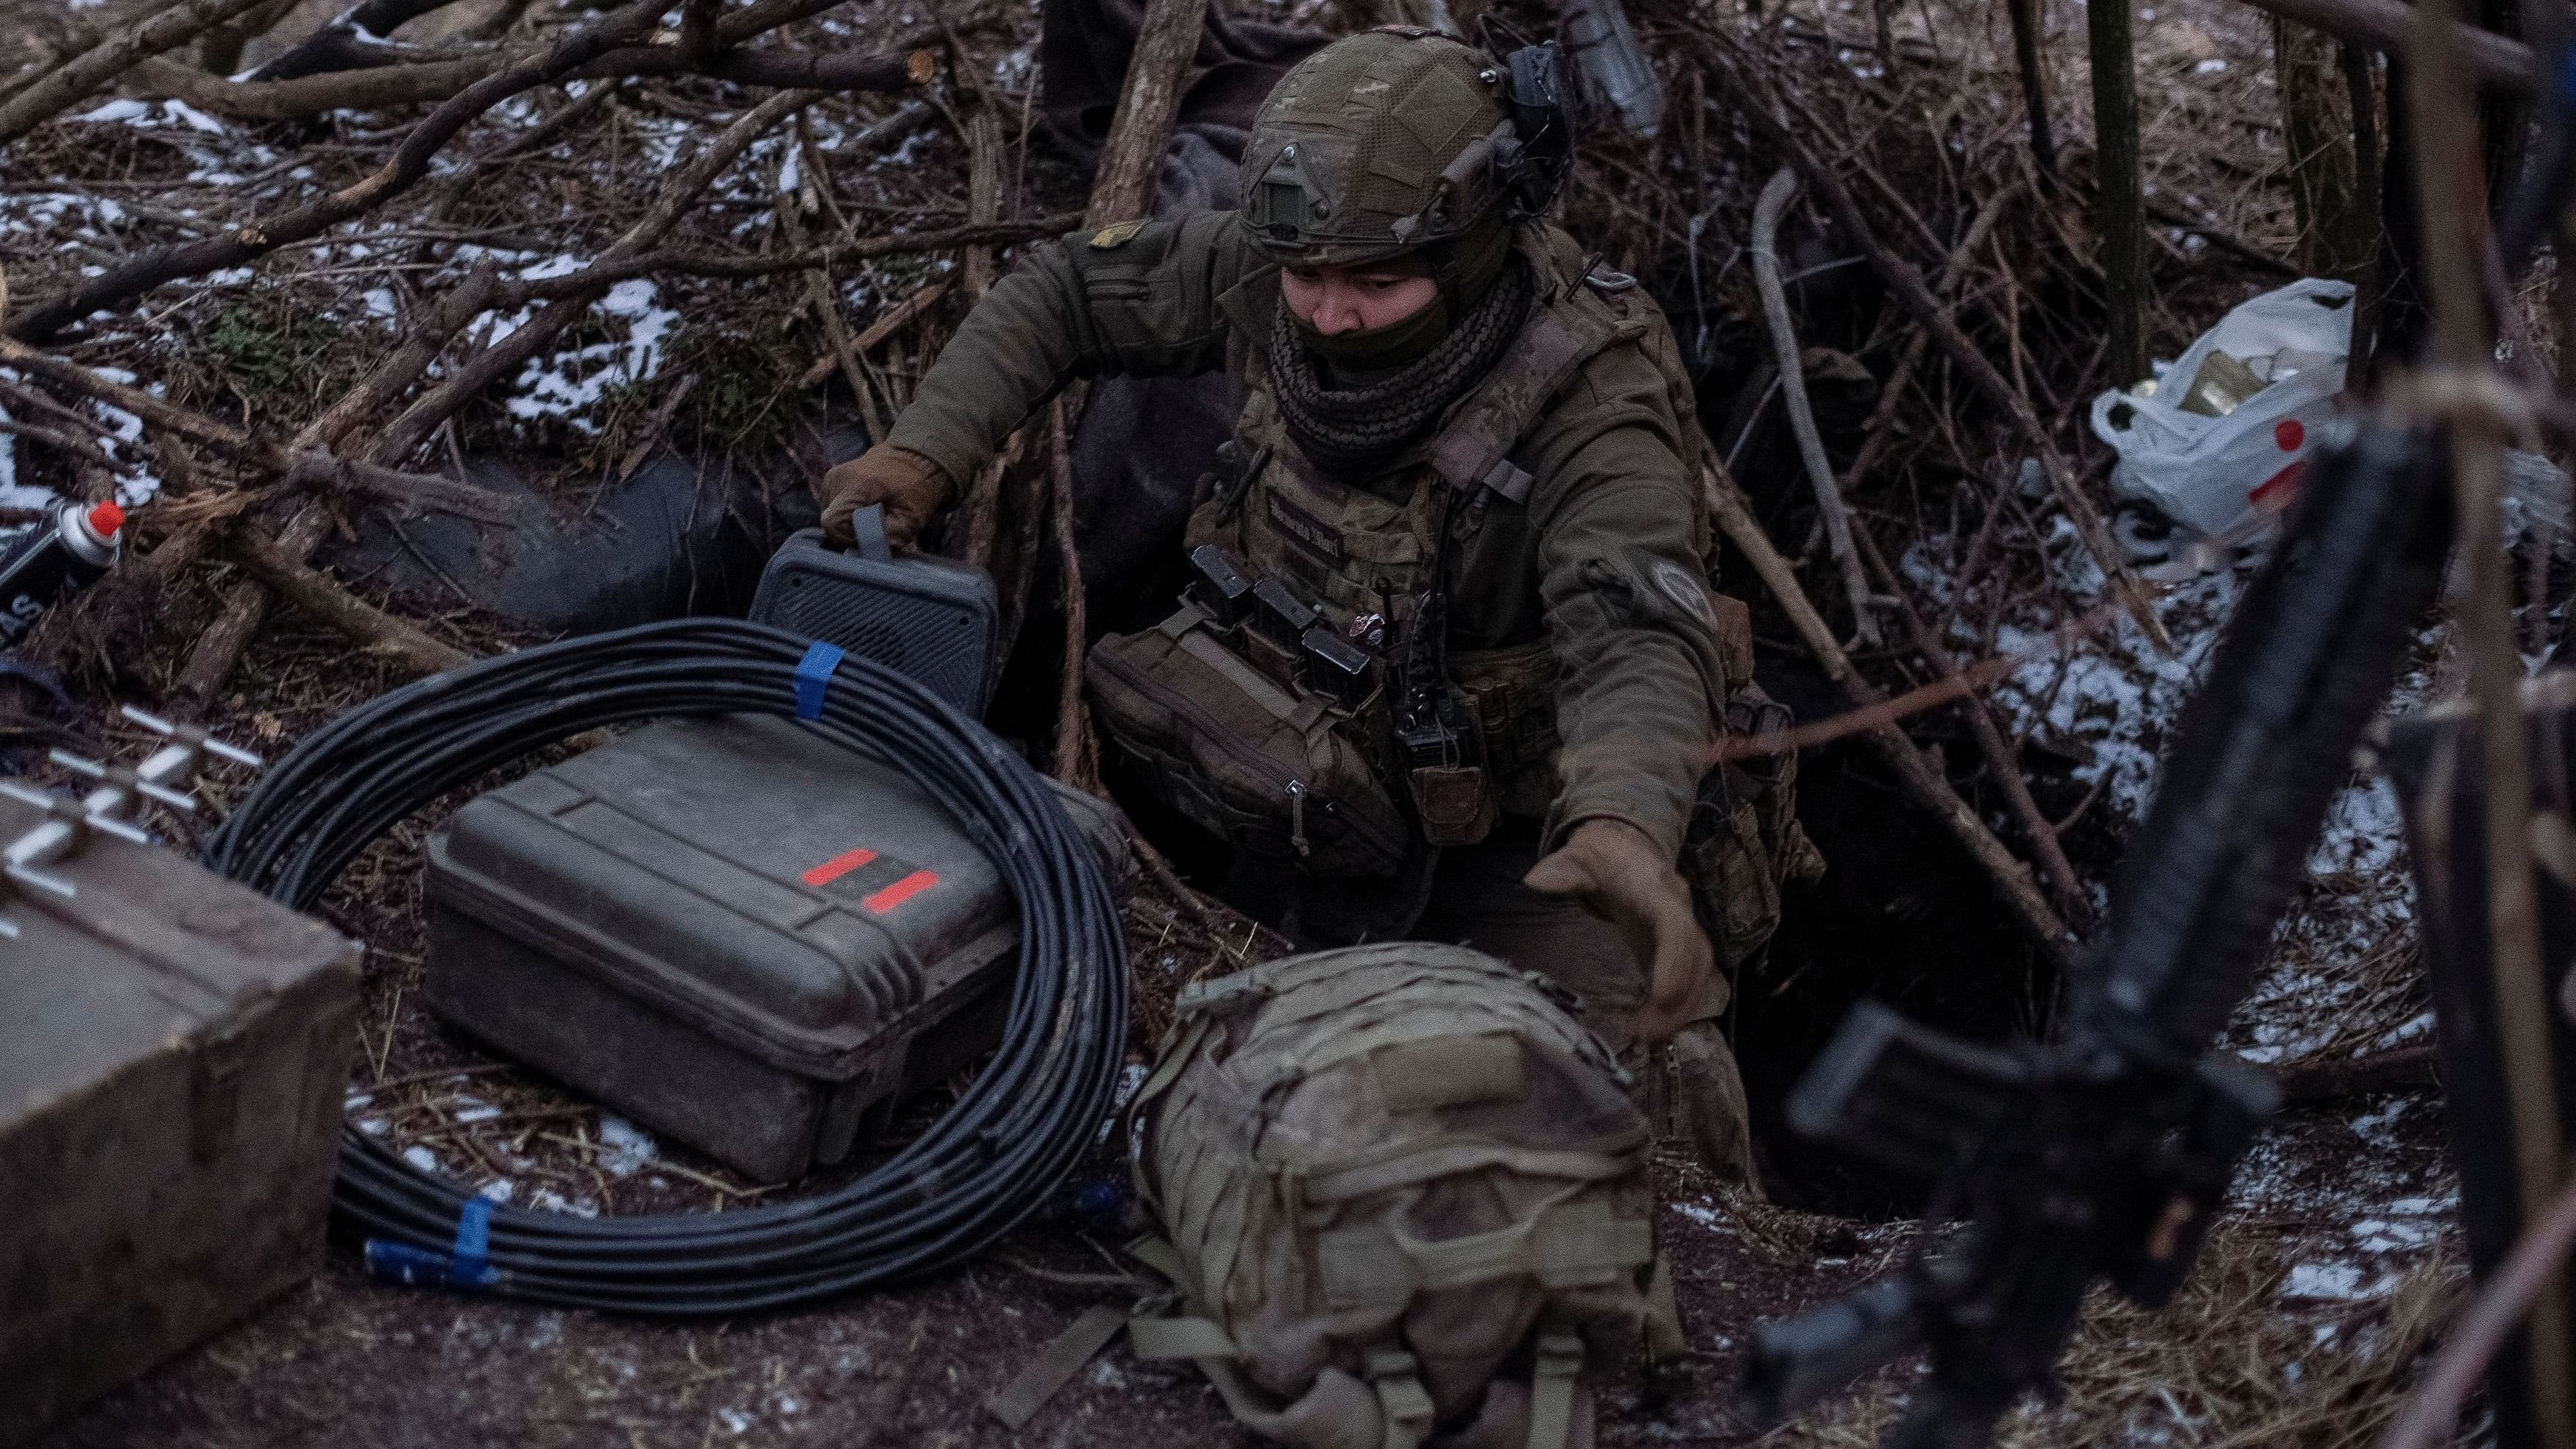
x: 1690, y: 1087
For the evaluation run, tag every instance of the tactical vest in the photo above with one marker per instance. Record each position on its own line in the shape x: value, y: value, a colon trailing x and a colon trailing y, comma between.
x: 1311, y: 784
x: 1361, y: 551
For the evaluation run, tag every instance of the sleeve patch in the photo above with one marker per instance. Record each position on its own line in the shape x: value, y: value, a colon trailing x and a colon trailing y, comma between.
x: 1110, y: 238
x: 1677, y: 585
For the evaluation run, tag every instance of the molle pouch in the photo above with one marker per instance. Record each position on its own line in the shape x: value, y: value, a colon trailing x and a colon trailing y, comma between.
x: 1453, y: 793
x: 1744, y: 841
x: 1458, y: 804
x: 1278, y: 772
x: 1513, y: 690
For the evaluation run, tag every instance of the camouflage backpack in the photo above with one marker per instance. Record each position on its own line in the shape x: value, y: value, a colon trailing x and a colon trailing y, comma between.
x: 1405, y: 1198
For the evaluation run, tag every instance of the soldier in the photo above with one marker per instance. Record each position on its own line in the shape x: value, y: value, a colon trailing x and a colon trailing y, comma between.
x: 1445, y: 414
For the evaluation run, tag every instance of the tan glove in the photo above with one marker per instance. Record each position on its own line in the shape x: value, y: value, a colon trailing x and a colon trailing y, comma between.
x: 1617, y: 874
x: 911, y: 487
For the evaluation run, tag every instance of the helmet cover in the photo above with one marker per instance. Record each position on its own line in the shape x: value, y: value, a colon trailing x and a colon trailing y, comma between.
x: 1374, y: 146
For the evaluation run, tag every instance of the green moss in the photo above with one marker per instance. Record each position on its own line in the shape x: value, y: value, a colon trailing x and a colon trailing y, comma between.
x: 268, y: 349
x: 745, y: 396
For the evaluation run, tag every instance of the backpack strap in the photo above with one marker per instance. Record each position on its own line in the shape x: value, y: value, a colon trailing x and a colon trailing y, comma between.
x: 1401, y: 1398
x: 1558, y: 1361
x: 1338, y: 1406
x: 1664, y: 1342
x: 1574, y: 1245
x: 1019, y: 1400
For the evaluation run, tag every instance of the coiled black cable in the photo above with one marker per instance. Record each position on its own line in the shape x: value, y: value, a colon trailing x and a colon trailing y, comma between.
x: 981, y: 1169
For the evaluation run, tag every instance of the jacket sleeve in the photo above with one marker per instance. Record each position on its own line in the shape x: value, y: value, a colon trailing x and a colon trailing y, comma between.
x: 1143, y: 305
x: 1623, y: 540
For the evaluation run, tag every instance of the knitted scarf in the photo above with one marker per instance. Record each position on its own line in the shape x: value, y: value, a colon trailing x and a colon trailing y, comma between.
x: 1352, y: 432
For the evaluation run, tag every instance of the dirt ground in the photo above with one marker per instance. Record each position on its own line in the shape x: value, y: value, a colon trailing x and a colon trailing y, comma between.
x: 346, y: 1361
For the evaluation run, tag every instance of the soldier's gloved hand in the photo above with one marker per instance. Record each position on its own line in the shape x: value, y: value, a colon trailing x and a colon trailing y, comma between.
x: 911, y: 487
x: 1618, y: 874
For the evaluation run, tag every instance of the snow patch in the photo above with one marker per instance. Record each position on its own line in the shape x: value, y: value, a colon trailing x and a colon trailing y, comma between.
x: 129, y: 111
x: 569, y: 383
x: 629, y: 1146
x: 1702, y: 1214
x: 554, y: 1202
x: 2327, y: 1281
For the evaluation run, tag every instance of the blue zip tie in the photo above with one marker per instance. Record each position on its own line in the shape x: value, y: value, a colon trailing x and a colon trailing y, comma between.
x: 467, y: 1265
x: 813, y: 675
x: 395, y: 1262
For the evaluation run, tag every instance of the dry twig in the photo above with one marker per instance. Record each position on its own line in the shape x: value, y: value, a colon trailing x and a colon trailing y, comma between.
x: 1793, y: 391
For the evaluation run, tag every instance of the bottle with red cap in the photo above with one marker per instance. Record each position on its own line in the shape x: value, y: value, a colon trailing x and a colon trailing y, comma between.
x: 51, y: 562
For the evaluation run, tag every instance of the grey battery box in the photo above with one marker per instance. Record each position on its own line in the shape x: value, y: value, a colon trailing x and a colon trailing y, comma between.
x: 731, y: 930
x: 932, y: 618
x: 173, y: 1053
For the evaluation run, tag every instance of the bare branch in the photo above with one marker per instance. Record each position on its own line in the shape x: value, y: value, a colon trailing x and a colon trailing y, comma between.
x: 822, y: 258
x: 355, y: 39
x: 1928, y: 785
x: 379, y: 89
x: 2389, y: 25
x: 1907, y: 284
x: 397, y: 440
x: 900, y: 66
x: 1077, y: 753
x: 385, y: 87
x: 104, y: 62
x: 404, y: 365
x: 301, y: 465
x: 1793, y: 390
x: 405, y: 167
x: 1122, y: 189
x: 314, y: 593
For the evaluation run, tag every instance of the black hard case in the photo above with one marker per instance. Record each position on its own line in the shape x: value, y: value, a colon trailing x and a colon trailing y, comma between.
x: 732, y: 930
x: 173, y: 1053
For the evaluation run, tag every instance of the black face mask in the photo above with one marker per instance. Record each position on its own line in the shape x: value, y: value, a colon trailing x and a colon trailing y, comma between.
x: 1463, y: 268
x: 1369, y: 350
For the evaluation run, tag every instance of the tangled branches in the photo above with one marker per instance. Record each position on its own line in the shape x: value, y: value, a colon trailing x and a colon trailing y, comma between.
x: 290, y: 395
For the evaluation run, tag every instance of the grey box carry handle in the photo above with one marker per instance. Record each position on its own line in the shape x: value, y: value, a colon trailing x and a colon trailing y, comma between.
x: 868, y: 535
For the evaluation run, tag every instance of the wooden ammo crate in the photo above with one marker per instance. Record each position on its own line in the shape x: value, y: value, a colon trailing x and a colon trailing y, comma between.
x: 173, y: 1050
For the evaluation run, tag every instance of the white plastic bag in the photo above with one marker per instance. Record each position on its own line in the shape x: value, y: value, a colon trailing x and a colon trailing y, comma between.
x: 2227, y: 477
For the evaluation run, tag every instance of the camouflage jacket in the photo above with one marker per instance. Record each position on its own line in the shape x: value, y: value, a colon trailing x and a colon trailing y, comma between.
x: 1600, y: 565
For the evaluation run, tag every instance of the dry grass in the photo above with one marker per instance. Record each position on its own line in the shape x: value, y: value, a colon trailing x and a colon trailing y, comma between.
x: 2230, y: 1364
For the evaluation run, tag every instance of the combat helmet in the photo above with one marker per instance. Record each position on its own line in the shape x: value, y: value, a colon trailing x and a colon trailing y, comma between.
x: 1397, y: 139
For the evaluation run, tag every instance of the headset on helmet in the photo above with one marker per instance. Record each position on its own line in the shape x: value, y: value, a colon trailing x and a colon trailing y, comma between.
x: 1530, y: 164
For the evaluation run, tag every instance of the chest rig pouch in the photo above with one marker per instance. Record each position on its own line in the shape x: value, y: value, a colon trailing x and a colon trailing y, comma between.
x: 1245, y: 711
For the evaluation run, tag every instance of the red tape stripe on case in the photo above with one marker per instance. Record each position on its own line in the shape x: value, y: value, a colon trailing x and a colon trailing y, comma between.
x: 901, y: 891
